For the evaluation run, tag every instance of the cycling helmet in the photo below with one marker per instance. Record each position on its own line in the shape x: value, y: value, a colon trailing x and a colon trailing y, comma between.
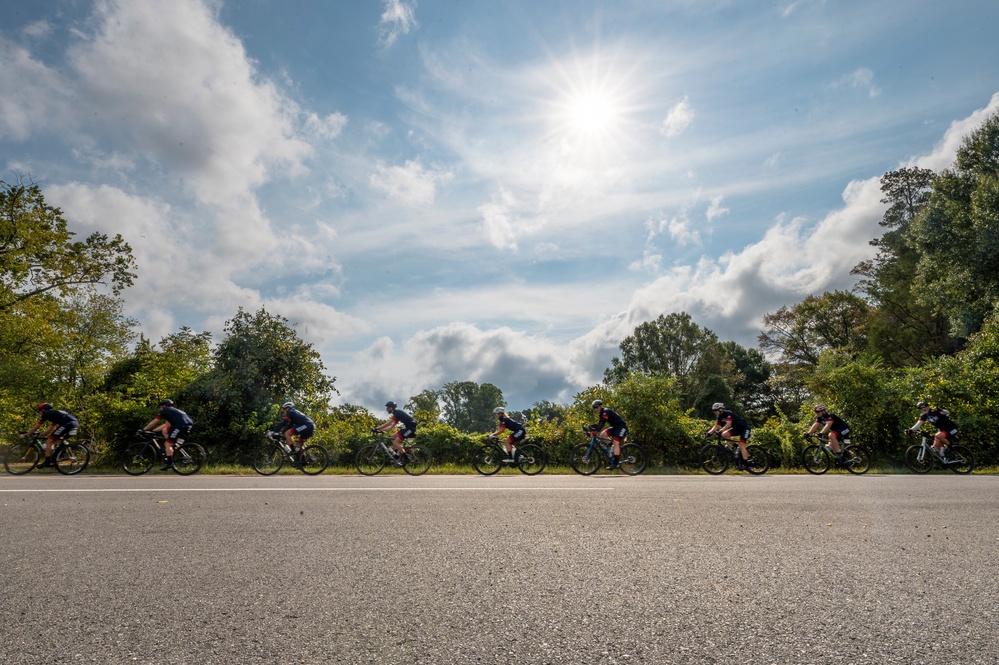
x: 390, y: 404
x: 166, y: 402
x: 288, y: 405
x: 922, y: 405
x: 498, y: 410
x: 717, y: 406
x: 595, y: 403
x: 44, y: 406
x: 819, y: 408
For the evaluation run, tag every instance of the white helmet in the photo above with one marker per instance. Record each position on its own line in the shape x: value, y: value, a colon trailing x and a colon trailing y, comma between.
x: 498, y: 410
x: 288, y: 405
x: 717, y: 406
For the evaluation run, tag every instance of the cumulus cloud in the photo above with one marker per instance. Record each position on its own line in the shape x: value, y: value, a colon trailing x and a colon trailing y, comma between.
x: 41, y: 95
x: 411, y: 183
x: 678, y: 119
x: 398, y: 18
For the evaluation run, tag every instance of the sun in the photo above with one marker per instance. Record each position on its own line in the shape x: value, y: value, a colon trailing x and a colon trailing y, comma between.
x: 591, y: 113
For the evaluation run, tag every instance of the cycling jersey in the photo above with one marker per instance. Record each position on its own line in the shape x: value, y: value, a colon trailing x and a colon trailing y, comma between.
x: 65, y: 422
x: 517, y: 430
x: 838, y: 424
x: 298, y: 421
x: 614, y: 423
x: 407, y: 421
x: 938, y: 419
x: 729, y: 420
x: 177, y: 418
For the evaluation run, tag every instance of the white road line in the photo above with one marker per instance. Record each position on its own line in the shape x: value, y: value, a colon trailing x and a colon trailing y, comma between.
x: 311, y: 489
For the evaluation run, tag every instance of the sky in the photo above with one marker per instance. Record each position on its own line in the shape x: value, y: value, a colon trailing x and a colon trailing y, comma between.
x: 441, y: 190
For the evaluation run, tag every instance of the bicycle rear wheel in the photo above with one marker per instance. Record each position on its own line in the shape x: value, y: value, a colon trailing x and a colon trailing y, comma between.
x: 960, y: 459
x: 487, y: 459
x: 268, y: 459
x: 815, y: 459
x: 919, y: 459
x: 138, y: 458
x: 315, y: 459
x: 532, y: 459
x: 370, y: 459
x: 420, y: 460
x: 758, y: 462
x: 856, y: 460
x: 188, y: 458
x: 633, y: 459
x: 580, y: 463
x: 72, y: 458
x: 21, y: 458
x: 714, y: 458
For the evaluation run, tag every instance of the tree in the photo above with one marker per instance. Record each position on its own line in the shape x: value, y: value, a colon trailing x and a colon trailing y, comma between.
x: 468, y: 406
x: 798, y: 335
x: 38, y: 255
x: 425, y: 406
x: 751, y: 387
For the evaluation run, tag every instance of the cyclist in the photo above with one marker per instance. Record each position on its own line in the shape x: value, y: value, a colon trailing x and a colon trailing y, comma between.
x: 296, y: 427
x: 831, y: 423
x: 517, y: 432
x: 176, y: 427
x: 732, y: 427
x: 407, y: 428
x: 64, y: 425
x: 939, y: 418
x: 611, y: 427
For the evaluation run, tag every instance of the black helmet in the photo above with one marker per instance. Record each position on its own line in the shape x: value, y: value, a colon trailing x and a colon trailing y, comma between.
x: 389, y: 404
x: 595, y: 403
x: 166, y: 402
x: 44, y: 406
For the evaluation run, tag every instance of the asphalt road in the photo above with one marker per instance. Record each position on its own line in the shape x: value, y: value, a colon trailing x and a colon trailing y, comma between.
x: 507, y: 569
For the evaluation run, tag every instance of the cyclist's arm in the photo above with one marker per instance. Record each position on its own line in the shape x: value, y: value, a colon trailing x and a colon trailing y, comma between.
x: 152, y: 423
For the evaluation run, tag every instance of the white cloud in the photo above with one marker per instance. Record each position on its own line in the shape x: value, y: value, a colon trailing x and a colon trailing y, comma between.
x: 678, y: 118
x: 398, y: 19
x: 715, y: 209
x: 862, y: 79
x: 496, y: 220
x: 41, y: 96
x: 411, y: 183
x: 328, y: 127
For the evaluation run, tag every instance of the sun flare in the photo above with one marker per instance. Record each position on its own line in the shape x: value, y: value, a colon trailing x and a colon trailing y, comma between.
x: 591, y: 113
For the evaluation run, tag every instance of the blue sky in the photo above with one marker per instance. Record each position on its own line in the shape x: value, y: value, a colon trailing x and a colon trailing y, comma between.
x: 498, y: 192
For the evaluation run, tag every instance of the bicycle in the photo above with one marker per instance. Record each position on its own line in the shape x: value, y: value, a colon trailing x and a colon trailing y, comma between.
x: 715, y: 458
x: 71, y: 457
x: 818, y: 457
x: 587, y: 458
x: 371, y: 458
x: 139, y: 457
x: 923, y: 457
x: 489, y: 457
x: 270, y: 457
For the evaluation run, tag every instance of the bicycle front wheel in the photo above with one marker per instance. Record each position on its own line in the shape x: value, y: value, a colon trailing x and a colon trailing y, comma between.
x: 72, y: 458
x: 714, y: 458
x: 532, y: 459
x: 21, y: 458
x: 369, y: 460
x: 758, y: 462
x: 268, y: 459
x: 815, y: 459
x: 584, y: 461
x: 633, y: 459
x: 487, y: 459
x: 919, y: 459
x: 960, y: 459
x: 138, y: 458
x: 188, y: 458
x: 856, y: 460
x: 420, y: 460
x: 315, y: 459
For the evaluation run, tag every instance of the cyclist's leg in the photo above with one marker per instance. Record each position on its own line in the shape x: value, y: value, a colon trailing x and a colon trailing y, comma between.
x: 834, y: 442
x: 939, y: 441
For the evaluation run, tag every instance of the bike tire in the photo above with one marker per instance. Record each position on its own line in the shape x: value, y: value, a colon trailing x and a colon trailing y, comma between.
x: 420, y: 459
x: 856, y: 460
x: 532, y: 459
x: 370, y: 459
x: 487, y: 459
x: 72, y: 458
x: 918, y: 459
x: 633, y: 459
x: 580, y: 463
x: 758, y: 462
x: 960, y: 459
x: 315, y: 460
x: 188, y: 458
x: 21, y: 458
x: 268, y: 459
x: 815, y: 459
x: 714, y: 458
x: 139, y: 458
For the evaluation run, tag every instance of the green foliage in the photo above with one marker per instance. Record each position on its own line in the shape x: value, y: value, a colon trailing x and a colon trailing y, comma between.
x: 468, y: 406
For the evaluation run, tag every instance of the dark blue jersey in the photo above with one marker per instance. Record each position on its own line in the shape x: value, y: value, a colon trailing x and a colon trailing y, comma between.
x: 938, y: 419
x: 738, y: 424
x: 407, y: 421
x: 612, y: 420
x: 177, y: 418
x: 295, y: 419
x: 58, y: 417
x: 506, y: 422
x: 838, y: 424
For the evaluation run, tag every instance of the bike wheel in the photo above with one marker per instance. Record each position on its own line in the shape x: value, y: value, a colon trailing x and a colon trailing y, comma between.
x: 268, y: 459
x: 815, y: 459
x: 532, y: 459
x: 856, y: 460
x: 420, y: 460
x: 714, y: 458
x: 315, y: 460
x: 580, y: 463
x: 960, y: 459
x: 919, y: 459
x: 138, y: 458
x: 188, y: 458
x: 72, y: 458
x: 21, y: 458
x: 370, y: 459
x: 758, y: 462
x: 633, y: 459
x: 487, y: 459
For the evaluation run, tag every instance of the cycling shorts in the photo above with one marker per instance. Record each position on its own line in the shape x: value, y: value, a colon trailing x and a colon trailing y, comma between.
x: 176, y: 434
x: 63, y: 432
x: 305, y: 432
